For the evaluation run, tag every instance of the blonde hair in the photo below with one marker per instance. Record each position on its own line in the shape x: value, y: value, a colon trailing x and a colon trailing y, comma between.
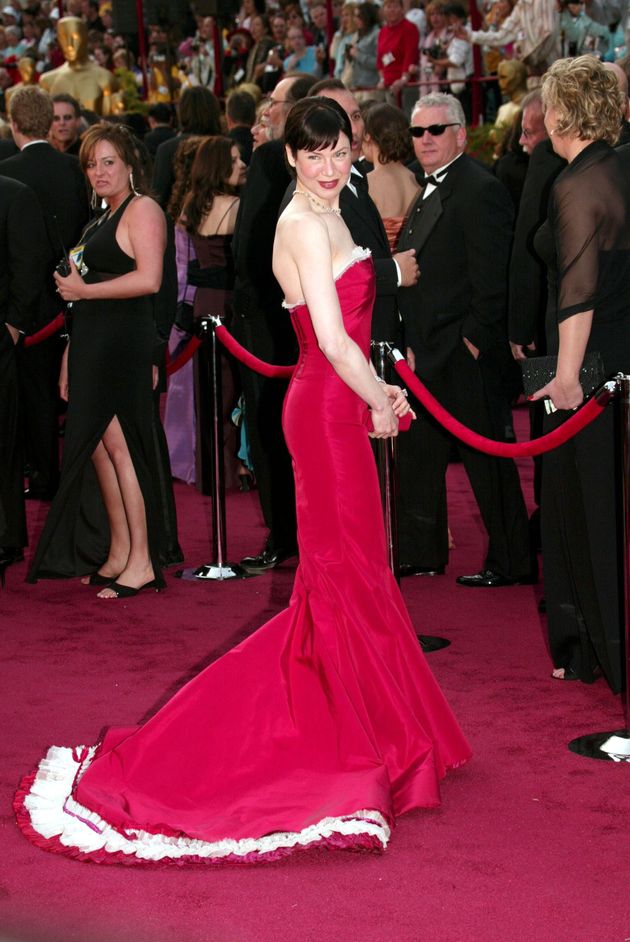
x: 586, y: 97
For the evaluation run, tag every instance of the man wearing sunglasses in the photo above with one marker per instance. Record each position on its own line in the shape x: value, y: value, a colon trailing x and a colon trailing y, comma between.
x: 455, y: 323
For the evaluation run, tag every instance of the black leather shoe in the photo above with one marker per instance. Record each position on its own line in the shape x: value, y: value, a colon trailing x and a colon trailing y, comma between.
x: 406, y: 569
x: 37, y: 488
x: 34, y: 493
x: 8, y: 556
x: 488, y: 579
x: 11, y: 554
x: 268, y: 559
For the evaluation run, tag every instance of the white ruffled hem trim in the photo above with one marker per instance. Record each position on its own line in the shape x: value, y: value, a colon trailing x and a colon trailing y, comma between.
x: 358, y: 254
x: 54, y: 813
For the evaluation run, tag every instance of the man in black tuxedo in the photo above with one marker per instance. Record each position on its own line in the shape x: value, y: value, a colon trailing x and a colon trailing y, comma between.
x: 65, y: 131
x: 361, y: 217
x: 159, y: 118
x: 24, y: 256
x: 263, y: 326
x: 366, y: 227
x: 240, y: 117
x: 528, y: 274
x: 8, y: 148
x: 455, y: 324
x: 58, y: 182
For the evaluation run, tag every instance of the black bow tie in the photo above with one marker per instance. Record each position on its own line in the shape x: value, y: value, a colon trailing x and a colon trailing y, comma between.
x: 430, y: 179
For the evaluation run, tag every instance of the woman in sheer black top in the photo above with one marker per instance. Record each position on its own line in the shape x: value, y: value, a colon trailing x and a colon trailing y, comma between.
x: 586, y: 244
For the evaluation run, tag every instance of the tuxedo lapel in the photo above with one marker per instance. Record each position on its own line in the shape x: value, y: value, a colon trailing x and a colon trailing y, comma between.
x: 422, y: 218
x: 360, y: 213
x: 358, y: 178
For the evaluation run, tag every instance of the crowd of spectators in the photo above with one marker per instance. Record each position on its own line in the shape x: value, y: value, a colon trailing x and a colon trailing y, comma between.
x: 405, y: 48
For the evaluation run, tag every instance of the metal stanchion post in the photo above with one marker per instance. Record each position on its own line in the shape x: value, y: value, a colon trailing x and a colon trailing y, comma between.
x: 218, y: 569
x: 388, y: 477
x: 615, y: 746
x: 386, y: 457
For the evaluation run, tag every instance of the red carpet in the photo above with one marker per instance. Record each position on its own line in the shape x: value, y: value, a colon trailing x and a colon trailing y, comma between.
x: 530, y: 843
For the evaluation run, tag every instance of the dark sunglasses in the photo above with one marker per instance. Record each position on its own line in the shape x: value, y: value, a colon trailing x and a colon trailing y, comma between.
x: 435, y: 130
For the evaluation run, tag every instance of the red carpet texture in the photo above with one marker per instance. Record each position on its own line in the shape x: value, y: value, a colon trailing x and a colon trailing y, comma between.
x: 531, y: 841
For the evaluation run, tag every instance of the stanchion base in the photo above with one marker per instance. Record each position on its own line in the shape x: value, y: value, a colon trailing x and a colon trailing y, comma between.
x: 611, y: 747
x: 430, y: 643
x: 213, y: 573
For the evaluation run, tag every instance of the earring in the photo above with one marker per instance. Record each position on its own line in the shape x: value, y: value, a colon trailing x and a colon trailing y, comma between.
x: 94, y: 200
x: 131, y: 184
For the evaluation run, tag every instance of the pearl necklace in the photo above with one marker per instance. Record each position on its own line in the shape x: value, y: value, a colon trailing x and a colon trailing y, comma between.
x: 323, y: 207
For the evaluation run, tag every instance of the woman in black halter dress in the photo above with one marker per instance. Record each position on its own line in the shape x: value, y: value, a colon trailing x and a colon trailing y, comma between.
x: 110, y: 376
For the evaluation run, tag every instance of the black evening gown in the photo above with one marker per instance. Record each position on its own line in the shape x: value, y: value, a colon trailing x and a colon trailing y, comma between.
x: 586, y: 245
x: 110, y: 374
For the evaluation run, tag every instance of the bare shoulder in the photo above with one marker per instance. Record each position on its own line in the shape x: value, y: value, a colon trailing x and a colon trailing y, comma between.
x: 145, y: 210
x: 298, y: 228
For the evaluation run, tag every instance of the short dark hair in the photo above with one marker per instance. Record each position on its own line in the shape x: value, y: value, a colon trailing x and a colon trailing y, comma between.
x: 316, y: 123
x: 388, y: 127
x: 68, y: 100
x: 161, y: 112
x: 264, y: 19
x: 240, y: 107
x: 369, y: 14
x: 199, y: 111
x: 455, y: 9
x: 328, y: 85
x: 301, y: 87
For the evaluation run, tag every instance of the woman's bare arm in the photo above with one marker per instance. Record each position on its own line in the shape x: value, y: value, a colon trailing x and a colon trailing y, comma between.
x: 305, y: 240
x: 145, y: 230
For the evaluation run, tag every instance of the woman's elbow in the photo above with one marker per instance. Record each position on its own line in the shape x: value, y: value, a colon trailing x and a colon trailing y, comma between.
x: 150, y: 282
x: 154, y: 285
x: 333, y: 349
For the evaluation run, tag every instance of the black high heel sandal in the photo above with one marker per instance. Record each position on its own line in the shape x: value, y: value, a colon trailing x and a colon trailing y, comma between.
x: 97, y: 579
x: 128, y: 592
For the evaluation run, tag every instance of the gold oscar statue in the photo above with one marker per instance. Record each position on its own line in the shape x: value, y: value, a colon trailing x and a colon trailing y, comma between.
x: 26, y: 68
x: 512, y: 75
x: 92, y: 86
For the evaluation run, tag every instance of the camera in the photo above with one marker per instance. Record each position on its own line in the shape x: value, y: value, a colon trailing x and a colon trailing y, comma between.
x: 63, y: 268
x: 434, y: 52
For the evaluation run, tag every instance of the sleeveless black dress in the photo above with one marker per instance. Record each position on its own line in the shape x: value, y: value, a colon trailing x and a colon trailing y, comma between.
x: 110, y: 374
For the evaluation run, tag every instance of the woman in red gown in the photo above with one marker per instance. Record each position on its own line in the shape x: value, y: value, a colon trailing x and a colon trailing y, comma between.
x: 326, y: 724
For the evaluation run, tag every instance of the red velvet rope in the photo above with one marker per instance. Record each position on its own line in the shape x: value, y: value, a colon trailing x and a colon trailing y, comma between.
x: 537, y: 446
x: 248, y: 359
x: 172, y: 366
x: 588, y: 412
x: 46, y: 332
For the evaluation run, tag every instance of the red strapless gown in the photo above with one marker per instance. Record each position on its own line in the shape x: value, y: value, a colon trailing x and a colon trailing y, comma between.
x: 320, y: 728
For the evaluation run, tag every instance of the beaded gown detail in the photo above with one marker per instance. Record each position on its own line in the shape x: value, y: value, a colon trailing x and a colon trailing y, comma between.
x: 321, y: 727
